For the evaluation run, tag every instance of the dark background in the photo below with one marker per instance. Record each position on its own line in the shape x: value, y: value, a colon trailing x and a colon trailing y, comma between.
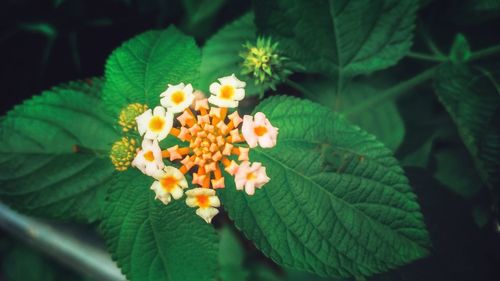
x: 47, y: 42
x: 82, y: 33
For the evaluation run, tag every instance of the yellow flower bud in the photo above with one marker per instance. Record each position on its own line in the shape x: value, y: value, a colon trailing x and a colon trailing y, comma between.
x: 128, y: 115
x: 122, y: 153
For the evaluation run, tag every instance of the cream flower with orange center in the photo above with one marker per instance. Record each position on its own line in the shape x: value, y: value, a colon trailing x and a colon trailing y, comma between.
x: 177, y: 97
x: 155, y: 124
x: 228, y: 92
x: 169, y: 184
x: 205, y: 200
x: 249, y: 177
x: 149, y: 158
x: 259, y: 131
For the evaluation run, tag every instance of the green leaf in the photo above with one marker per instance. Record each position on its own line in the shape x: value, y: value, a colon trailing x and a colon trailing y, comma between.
x: 475, y: 11
x: 473, y: 102
x: 455, y: 252
x: 231, y: 257
x: 141, y: 69
x: 484, y: 5
x: 53, y: 153
x: 424, y: 125
x: 481, y: 215
x: 199, y: 11
x: 22, y: 263
x: 221, y: 53
x: 384, y: 120
x: 91, y: 86
x: 455, y: 170
x: 151, y: 241
x: 42, y: 28
x: 264, y: 272
x: 292, y: 275
x: 342, y: 37
x: 460, y: 50
x: 420, y: 157
x: 337, y: 204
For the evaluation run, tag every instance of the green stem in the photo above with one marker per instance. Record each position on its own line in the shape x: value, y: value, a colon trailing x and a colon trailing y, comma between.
x: 490, y: 77
x: 430, y: 43
x: 393, y: 92
x: 485, y: 53
x: 426, y: 57
x: 299, y: 88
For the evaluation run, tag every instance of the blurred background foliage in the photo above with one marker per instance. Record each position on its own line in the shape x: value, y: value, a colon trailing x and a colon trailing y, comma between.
x: 17, y: 258
x: 44, y: 43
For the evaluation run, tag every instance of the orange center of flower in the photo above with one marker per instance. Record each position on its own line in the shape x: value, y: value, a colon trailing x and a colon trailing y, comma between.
x: 211, y: 139
x: 227, y: 92
x: 169, y: 183
x: 260, y: 130
x: 156, y: 124
x: 148, y: 155
x: 177, y: 97
x: 203, y: 201
x: 251, y: 176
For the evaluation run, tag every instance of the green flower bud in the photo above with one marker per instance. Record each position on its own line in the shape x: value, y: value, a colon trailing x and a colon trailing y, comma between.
x: 122, y: 153
x: 264, y: 62
x: 128, y: 115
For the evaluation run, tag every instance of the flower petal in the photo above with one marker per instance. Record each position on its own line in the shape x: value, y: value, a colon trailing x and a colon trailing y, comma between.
x: 207, y: 213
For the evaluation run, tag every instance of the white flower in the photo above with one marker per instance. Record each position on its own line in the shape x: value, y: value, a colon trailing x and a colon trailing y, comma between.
x: 156, y: 124
x: 149, y: 159
x: 206, y: 201
x: 250, y: 177
x: 169, y: 183
x: 228, y: 92
x: 177, y: 97
x: 259, y: 130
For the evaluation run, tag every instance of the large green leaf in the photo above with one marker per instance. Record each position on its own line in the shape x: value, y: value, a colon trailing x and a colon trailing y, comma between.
x: 221, y: 53
x: 473, y: 102
x: 231, y: 257
x: 151, y: 241
x: 455, y: 170
x: 338, y: 203
x: 383, y: 120
x: 141, y: 69
x: 53, y: 153
x: 343, y: 37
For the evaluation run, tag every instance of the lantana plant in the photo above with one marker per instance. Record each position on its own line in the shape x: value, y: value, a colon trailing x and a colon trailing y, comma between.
x: 212, y: 139
x: 275, y: 127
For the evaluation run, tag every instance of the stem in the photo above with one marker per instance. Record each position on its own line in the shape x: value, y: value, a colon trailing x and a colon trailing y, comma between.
x: 394, y: 92
x: 430, y: 43
x: 299, y: 88
x: 82, y: 256
x: 490, y: 77
x: 426, y: 57
x: 73, y: 43
x: 485, y: 53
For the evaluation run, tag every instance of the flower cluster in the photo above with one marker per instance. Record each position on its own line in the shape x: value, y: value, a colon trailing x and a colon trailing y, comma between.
x: 211, y: 143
